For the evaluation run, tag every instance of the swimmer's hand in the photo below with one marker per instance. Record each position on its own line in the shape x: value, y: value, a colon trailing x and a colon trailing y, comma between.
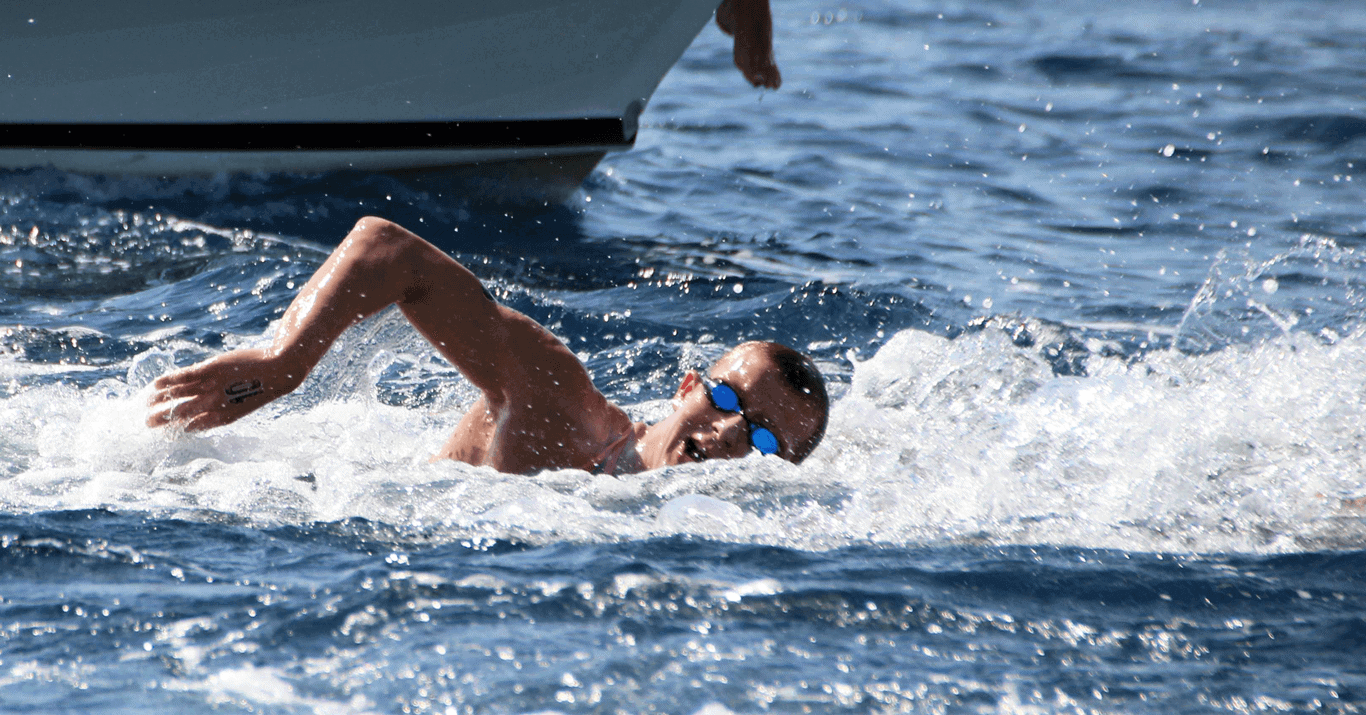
x: 222, y: 390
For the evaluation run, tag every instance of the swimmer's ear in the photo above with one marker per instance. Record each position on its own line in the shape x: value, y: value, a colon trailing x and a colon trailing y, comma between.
x: 690, y: 381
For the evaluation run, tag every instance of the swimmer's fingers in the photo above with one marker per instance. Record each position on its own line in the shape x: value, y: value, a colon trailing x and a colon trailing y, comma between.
x: 208, y: 420
x: 173, y: 414
x: 175, y: 392
x: 209, y: 408
x: 220, y: 391
x: 187, y: 412
x: 159, y: 419
x: 170, y: 417
x: 185, y: 375
x: 203, y: 371
x: 176, y: 414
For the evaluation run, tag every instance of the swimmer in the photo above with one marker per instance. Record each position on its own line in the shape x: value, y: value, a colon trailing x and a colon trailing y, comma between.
x: 538, y: 407
x: 750, y: 22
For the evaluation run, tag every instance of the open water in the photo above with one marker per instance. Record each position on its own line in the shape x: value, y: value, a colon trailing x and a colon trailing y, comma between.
x: 1087, y: 279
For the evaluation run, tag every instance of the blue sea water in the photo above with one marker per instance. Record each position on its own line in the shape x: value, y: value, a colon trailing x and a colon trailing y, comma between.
x: 1086, y: 279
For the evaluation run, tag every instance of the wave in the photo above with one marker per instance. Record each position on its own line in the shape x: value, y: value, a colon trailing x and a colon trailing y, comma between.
x: 976, y: 439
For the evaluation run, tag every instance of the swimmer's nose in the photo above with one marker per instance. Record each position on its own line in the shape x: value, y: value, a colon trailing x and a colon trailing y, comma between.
x: 731, y: 433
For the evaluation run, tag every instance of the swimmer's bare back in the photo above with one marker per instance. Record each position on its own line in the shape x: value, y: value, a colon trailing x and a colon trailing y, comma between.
x: 539, y: 408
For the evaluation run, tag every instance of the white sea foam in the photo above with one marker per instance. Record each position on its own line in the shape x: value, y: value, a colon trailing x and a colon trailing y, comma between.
x: 251, y: 687
x: 972, y: 439
x: 1250, y: 448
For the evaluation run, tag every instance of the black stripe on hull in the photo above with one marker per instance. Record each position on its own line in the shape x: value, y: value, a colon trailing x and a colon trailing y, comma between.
x: 318, y: 136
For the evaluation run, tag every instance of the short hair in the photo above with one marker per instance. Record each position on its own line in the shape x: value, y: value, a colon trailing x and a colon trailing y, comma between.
x: 800, y: 372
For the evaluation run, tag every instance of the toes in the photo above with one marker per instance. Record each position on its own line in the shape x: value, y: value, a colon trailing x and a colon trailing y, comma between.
x: 760, y: 72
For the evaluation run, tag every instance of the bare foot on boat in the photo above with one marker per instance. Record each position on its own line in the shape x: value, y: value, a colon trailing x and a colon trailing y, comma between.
x: 751, y: 24
x: 222, y: 390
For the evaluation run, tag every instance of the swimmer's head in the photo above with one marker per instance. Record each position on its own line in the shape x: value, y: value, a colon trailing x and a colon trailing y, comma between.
x: 776, y: 389
x: 806, y: 402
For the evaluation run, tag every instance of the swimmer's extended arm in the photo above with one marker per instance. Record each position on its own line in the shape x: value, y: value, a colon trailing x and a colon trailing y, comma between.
x: 750, y: 22
x: 502, y: 352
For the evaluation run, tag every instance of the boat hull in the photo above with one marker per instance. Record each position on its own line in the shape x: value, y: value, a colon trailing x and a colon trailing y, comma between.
x: 174, y: 88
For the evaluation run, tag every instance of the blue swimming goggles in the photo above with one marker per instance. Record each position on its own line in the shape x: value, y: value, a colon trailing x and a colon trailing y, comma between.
x: 724, y: 398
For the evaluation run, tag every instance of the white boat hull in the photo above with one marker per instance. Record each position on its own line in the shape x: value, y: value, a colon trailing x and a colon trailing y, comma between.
x: 167, y: 87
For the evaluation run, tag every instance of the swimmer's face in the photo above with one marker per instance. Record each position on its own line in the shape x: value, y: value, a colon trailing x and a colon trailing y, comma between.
x: 698, y: 430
